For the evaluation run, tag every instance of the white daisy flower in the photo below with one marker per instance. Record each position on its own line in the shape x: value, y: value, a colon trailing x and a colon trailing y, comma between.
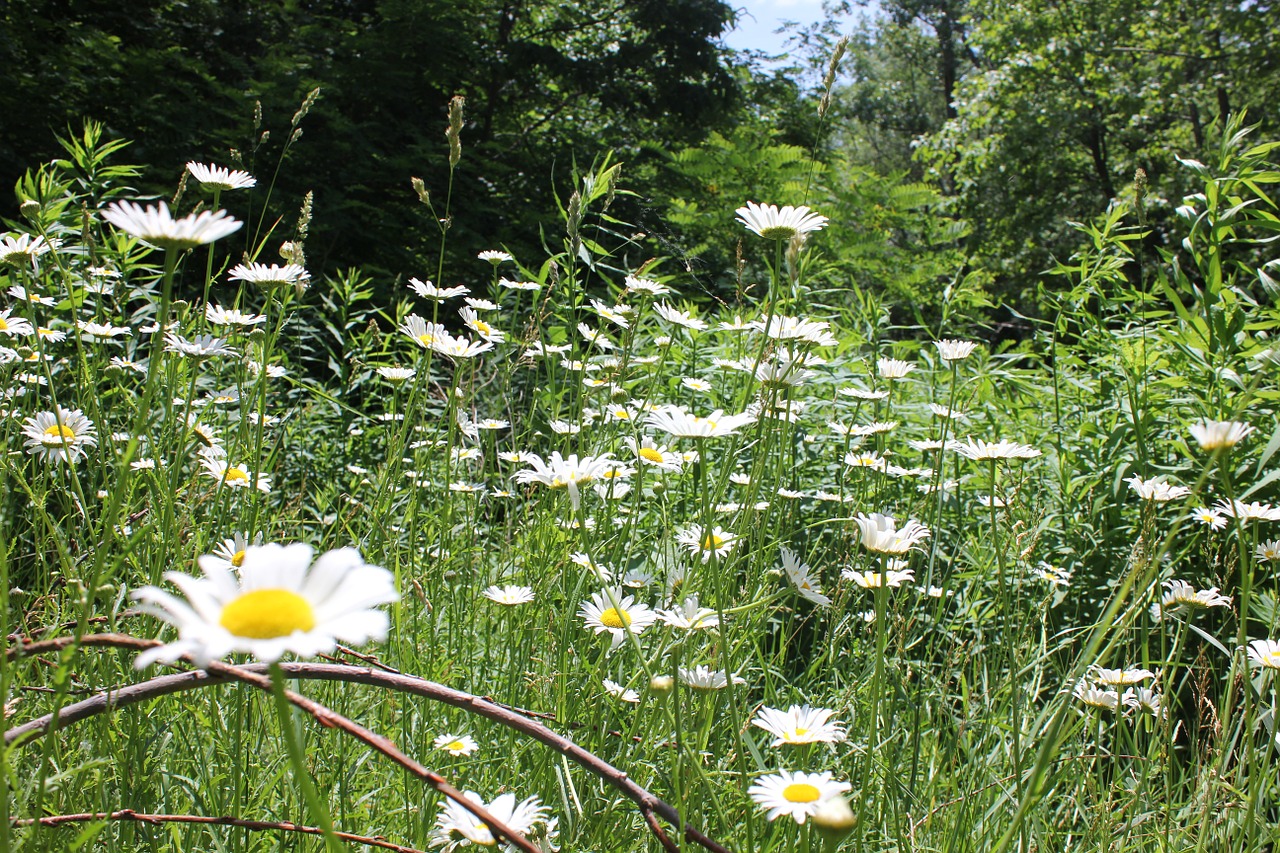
x: 617, y: 613
x: 1156, y: 489
x: 235, y: 476
x: 559, y: 472
x: 23, y: 249
x: 1107, y: 700
x: 799, y: 724
x: 1212, y: 435
x: 202, y: 346
x: 480, y: 327
x: 11, y: 326
x: 702, y: 543
x: 634, y: 284
x: 278, y: 603
x: 702, y: 678
x: 622, y: 694
x: 59, y: 436
x: 676, y: 421
x: 219, y: 316
x: 797, y: 795
x: 881, y: 534
x: 219, y: 178
x: 509, y: 595
x: 1180, y: 596
x: 893, y: 368
x: 772, y: 223
x: 157, y: 226
x: 427, y: 290
x: 456, y: 827
x: 270, y: 276
x: 456, y: 745
x: 952, y: 350
x: 494, y: 256
x: 979, y: 449
x: 679, y: 318
x: 802, y: 577
x: 690, y: 616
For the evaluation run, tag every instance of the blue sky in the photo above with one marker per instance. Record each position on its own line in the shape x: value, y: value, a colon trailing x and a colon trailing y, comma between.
x: 761, y: 17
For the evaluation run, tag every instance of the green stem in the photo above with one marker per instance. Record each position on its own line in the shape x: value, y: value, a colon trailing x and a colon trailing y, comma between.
x: 293, y: 743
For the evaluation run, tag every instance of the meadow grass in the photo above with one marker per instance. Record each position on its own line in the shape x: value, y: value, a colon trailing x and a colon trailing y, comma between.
x: 1031, y: 580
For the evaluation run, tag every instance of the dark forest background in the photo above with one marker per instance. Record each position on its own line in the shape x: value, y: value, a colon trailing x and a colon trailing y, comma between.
x: 961, y: 139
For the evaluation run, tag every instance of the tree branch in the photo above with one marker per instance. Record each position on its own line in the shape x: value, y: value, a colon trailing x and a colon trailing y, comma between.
x: 179, y: 682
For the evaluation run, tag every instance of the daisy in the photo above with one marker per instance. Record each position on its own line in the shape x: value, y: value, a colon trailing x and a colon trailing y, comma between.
x: 649, y: 287
x: 219, y: 316
x: 270, y: 276
x: 396, y: 375
x: 22, y: 249
x: 1253, y: 511
x: 893, y: 368
x: 480, y: 304
x: 774, y: 224
x: 1208, y: 517
x: 518, y: 285
x: 1145, y: 699
x: 658, y: 456
x: 1156, y: 489
x: 951, y: 350
x: 20, y: 293
x: 797, y: 329
x: 679, y: 318
x: 1119, y: 677
x: 510, y: 595
x: 874, y: 580
x: 235, y: 476
x: 157, y: 226
x: 797, y: 795
x: 1055, y: 575
x: 53, y: 336
x: 690, y: 616
x: 1212, y: 435
x: 456, y: 827
x: 881, y: 534
x: 457, y: 745
x: 619, y: 614
x: 1265, y: 653
x: 11, y: 326
x: 459, y: 347
x: 494, y: 256
x: 703, y: 679
x: 203, y: 346
x: 218, y: 178
x: 102, y: 331
x: 702, y: 386
x: 1180, y: 596
x: 701, y: 543
x: 863, y: 394
x: 1108, y: 700
x: 1268, y: 551
x: 427, y: 290
x: 799, y: 724
x: 979, y: 449
x: 59, y: 436
x: 947, y: 414
x: 622, y: 694
x: 596, y: 337
x: 676, y: 421
x: 278, y: 602
x: 229, y: 553
x: 480, y: 327
x: 802, y: 577
x: 559, y: 472
x: 617, y: 314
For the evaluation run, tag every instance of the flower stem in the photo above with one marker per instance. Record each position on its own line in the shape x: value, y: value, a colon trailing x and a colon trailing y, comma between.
x: 293, y: 744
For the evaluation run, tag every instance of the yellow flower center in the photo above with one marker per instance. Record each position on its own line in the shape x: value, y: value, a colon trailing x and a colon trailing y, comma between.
x: 237, y: 559
x: 615, y: 618
x: 426, y: 340
x: 711, y: 542
x: 455, y: 746
x: 801, y: 731
x: 483, y: 328
x: 800, y: 792
x: 651, y: 455
x: 4, y: 326
x: 59, y: 434
x: 265, y: 614
x: 235, y: 474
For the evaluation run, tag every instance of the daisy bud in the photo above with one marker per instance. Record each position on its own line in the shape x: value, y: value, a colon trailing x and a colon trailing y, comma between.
x: 30, y: 208
x: 661, y: 685
x: 834, y: 820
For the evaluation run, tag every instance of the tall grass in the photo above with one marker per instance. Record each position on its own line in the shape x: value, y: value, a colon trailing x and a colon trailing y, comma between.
x: 961, y: 690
